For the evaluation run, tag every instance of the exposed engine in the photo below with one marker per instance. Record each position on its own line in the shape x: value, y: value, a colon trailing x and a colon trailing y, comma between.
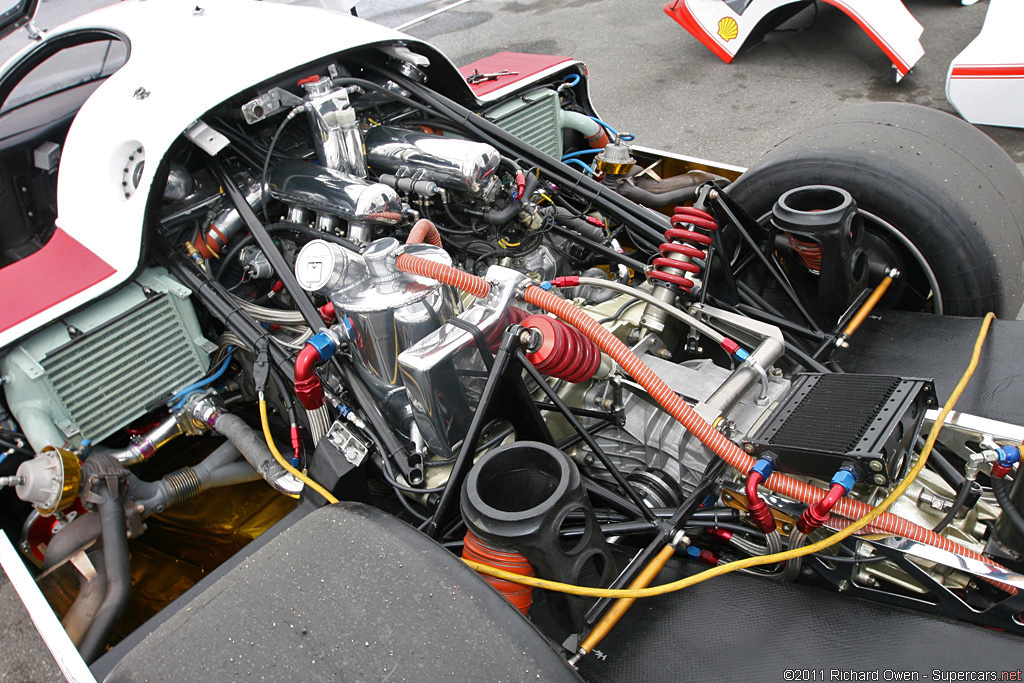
x: 347, y: 265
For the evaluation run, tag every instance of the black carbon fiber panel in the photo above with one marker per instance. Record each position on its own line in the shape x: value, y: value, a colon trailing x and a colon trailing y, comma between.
x: 921, y: 345
x: 741, y: 628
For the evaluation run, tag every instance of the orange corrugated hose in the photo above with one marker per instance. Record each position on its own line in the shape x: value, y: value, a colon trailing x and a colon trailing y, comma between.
x: 424, y: 231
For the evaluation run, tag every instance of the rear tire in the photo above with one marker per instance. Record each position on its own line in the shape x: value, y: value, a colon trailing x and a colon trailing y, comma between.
x: 951, y: 195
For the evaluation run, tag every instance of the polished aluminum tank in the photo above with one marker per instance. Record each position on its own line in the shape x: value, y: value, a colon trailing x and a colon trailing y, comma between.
x: 380, y: 310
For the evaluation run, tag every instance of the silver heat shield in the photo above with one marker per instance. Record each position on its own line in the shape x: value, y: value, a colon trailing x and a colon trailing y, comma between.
x: 454, y: 164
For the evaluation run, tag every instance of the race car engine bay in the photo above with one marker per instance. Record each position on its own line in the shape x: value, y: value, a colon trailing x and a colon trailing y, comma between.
x: 549, y: 350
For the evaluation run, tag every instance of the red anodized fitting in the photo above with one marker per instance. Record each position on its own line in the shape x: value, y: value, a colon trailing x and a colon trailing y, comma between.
x: 685, y: 241
x: 307, y: 385
x: 327, y: 313
x: 817, y: 514
x: 759, y: 510
x: 563, y: 352
x: 519, y: 595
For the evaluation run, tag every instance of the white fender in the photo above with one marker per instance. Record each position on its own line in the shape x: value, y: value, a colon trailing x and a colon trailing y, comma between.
x: 985, y: 82
x: 183, y: 61
x: 725, y: 26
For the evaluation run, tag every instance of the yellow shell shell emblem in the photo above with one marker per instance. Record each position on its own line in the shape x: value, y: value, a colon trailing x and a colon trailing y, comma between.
x: 728, y: 29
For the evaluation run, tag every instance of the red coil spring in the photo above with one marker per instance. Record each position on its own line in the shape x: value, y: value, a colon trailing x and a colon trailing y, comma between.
x: 809, y: 252
x: 685, y: 241
x: 564, y: 352
x: 519, y: 595
x: 511, y: 316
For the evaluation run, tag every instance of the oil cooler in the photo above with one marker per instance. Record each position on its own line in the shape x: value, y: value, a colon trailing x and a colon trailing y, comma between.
x: 99, y: 369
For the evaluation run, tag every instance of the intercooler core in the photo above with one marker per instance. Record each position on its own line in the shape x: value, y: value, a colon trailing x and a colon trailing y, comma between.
x: 107, y: 364
x: 830, y: 420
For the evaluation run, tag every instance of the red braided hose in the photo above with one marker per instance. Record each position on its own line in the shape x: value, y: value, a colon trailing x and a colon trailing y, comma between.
x: 415, y: 265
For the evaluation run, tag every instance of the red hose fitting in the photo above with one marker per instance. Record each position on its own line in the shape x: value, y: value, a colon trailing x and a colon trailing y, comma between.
x: 519, y: 595
x: 307, y: 384
x: 720, y: 534
x: 730, y: 346
x: 563, y: 351
x: 759, y: 510
x: 327, y: 313
x: 817, y: 514
x: 1000, y: 471
x: 520, y: 185
x: 296, y: 442
x: 566, y: 281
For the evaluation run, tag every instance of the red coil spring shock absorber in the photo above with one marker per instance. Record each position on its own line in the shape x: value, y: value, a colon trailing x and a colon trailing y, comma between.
x: 512, y: 316
x: 563, y: 352
x: 519, y: 595
x: 684, y: 243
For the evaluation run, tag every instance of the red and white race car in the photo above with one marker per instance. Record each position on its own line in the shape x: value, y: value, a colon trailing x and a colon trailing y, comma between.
x: 338, y: 360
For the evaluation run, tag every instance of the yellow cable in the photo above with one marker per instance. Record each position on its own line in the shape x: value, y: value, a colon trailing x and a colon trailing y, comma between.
x: 864, y: 521
x: 284, y: 463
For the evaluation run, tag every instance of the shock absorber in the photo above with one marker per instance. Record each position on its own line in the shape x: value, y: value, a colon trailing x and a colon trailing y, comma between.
x: 684, y: 244
x: 560, y: 350
x: 686, y: 240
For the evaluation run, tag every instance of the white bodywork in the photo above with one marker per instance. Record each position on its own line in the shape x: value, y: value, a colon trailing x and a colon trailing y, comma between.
x: 186, y: 61
x: 985, y: 82
x: 893, y: 28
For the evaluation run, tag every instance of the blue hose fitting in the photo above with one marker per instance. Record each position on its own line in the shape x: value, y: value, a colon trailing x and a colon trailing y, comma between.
x: 845, y: 477
x: 324, y: 345
x: 765, y: 466
x: 1008, y: 455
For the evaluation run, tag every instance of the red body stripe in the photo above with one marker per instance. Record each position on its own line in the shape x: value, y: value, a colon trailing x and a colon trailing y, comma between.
x: 988, y: 71
x: 682, y: 14
x: 901, y: 66
x: 524, y: 64
x: 62, y: 268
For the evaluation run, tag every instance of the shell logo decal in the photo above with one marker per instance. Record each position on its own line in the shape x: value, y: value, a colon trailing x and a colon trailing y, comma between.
x: 728, y: 29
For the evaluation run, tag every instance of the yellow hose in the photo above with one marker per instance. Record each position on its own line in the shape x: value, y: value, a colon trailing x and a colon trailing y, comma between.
x: 864, y: 521
x: 284, y: 463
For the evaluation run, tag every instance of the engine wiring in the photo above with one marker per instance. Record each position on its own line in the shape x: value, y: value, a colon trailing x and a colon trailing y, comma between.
x: 787, y: 555
x: 265, y: 423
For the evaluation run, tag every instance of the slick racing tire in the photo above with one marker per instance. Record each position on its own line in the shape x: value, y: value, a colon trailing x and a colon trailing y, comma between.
x: 942, y: 202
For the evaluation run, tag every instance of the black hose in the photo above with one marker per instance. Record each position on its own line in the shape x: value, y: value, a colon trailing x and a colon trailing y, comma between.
x: 118, y: 571
x: 658, y: 200
x: 940, y: 461
x: 1010, y: 511
x: 251, y: 445
x: 958, y: 503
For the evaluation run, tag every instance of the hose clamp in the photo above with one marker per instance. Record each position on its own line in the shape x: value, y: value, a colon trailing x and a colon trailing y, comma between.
x: 199, y: 414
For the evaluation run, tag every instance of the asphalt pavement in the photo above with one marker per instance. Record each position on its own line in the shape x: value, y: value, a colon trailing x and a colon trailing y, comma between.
x: 651, y: 78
